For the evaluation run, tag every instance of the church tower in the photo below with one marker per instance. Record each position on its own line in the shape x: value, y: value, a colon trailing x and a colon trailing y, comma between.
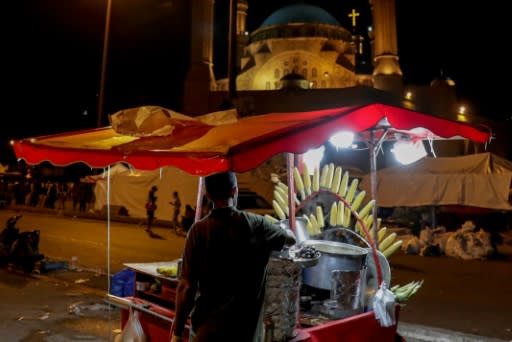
x: 242, y: 36
x: 387, y: 74
x: 200, y: 78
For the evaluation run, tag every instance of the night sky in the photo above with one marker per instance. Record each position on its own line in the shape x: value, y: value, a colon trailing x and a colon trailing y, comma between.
x: 52, y: 55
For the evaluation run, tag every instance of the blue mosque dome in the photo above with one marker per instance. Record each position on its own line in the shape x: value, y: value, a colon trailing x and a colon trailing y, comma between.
x: 300, y: 13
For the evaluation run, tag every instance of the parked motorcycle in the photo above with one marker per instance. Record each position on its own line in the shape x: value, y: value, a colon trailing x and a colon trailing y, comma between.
x: 19, y: 249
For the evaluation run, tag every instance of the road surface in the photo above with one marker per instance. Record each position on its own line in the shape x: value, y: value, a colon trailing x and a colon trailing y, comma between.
x: 467, y: 296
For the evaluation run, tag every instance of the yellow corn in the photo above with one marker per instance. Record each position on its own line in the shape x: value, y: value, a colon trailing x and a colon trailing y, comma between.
x: 306, y: 180
x: 392, y: 249
x: 346, y: 217
x: 281, y: 192
x: 323, y: 176
x: 330, y: 175
x: 270, y: 218
x: 279, y: 198
x: 340, y: 218
x: 382, y: 233
x: 309, y: 225
x: 320, y: 216
x: 366, y: 209
x: 278, y: 210
x: 387, y: 241
x: 314, y: 224
x: 368, y: 221
x: 299, y: 186
x: 358, y: 200
x: 336, y: 180
x: 372, y: 234
x: 333, y: 214
x: 316, y: 180
x: 352, y: 190
x: 283, y: 186
x: 343, y: 185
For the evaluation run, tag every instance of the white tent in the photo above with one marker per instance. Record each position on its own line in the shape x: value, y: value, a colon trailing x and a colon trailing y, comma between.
x: 478, y: 180
x: 129, y: 188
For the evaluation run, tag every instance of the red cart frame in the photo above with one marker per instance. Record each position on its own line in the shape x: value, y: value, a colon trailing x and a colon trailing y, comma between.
x: 201, y: 149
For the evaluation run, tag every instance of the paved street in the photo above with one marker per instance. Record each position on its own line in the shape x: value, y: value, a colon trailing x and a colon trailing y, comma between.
x: 473, y: 297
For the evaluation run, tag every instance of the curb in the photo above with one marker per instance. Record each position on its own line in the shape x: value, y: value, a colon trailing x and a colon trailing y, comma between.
x: 423, y: 333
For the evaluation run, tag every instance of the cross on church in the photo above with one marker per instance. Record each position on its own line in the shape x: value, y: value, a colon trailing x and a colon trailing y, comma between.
x: 354, y: 14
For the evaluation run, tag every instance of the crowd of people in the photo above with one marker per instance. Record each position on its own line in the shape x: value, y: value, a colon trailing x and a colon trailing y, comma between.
x: 77, y: 196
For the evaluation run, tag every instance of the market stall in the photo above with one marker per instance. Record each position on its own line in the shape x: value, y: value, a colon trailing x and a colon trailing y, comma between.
x: 201, y: 147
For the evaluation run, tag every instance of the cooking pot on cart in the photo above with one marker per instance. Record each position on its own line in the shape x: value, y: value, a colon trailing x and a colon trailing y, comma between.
x: 335, y: 256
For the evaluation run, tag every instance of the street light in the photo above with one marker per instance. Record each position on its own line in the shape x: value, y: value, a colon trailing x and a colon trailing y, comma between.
x: 106, y: 35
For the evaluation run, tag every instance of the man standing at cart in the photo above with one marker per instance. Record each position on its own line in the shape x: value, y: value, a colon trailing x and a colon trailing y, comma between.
x: 223, y: 274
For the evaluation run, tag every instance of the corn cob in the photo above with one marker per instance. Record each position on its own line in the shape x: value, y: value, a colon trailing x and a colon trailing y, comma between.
x: 333, y: 214
x: 343, y: 185
x: 392, y: 249
x: 299, y: 185
x: 403, y: 293
x: 358, y: 200
x: 330, y: 175
x: 306, y: 180
x: 387, y: 241
x: 346, y: 216
x: 283, y: 186
x: 316, y: 180
x: 366, y: 209
x: 281, y: 192
x: 314, y: 224
x: 368, y: 221
x: 323, y: 175
x: 352, y: 190
x: 270, y: 218
x: 336, y: 180
x: 320, y: 217
x: 309, y: 225
x: 279, y: 212
x: 340, y: 215
x: 382, y: 233
x: 280, y: 199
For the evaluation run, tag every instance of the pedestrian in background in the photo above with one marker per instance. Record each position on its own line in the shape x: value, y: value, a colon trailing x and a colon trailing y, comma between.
x: 151, y: 208
x: 188, y: 218
x: 176, y: 203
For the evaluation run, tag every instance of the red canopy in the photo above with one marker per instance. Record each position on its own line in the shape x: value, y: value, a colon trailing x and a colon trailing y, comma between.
x: 239, y: 146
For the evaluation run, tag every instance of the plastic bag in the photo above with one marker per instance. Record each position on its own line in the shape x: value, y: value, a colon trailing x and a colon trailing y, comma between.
x: 133, y: 331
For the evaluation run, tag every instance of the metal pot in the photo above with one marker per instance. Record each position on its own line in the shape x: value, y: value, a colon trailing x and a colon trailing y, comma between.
x: 335, y: 256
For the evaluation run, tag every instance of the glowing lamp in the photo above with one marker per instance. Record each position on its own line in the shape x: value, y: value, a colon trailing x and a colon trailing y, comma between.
x: 312, y: 158
x: 407, y: 152
x: 342, y: 139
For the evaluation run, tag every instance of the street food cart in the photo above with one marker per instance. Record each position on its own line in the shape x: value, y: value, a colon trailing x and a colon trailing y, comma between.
x: 203, y: 147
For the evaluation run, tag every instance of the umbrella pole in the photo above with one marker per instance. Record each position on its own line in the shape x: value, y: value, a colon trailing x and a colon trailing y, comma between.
x: 199, y: 199
x: 109, y: 175
x: 291, y: 192
x: 373, y: 184
x: 374, y: 146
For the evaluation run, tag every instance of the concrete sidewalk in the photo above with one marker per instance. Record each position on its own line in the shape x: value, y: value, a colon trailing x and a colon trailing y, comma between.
x: 422, y: 333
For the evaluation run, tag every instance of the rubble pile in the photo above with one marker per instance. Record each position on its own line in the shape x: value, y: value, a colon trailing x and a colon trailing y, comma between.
x: 466, y: 243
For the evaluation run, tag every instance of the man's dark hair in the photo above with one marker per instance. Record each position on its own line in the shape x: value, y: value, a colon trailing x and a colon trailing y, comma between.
x: 219, y: 185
